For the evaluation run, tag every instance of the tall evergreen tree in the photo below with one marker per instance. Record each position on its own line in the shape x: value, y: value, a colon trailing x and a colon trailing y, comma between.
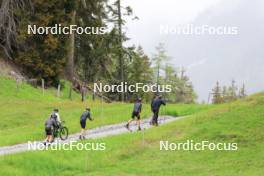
x: 159, y: 59
x: 224, y: 94
x: 217, y: 99
x: 242, y: 91
x: 232, y: 91
x: 43, y: 56
x: 184, y: 89
x: 94, y: 52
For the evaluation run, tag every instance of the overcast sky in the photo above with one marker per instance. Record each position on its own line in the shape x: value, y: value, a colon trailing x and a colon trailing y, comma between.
x: 208, y: 58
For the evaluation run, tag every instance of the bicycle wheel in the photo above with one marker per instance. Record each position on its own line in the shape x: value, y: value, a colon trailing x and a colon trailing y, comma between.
x: 64, y: 133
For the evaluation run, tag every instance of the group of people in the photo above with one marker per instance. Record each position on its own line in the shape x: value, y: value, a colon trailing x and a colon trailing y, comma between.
x: 54, y: 121
x: 156, y: 102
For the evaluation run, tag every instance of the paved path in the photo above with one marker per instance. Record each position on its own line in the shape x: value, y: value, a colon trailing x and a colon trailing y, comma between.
x: 99, y: 132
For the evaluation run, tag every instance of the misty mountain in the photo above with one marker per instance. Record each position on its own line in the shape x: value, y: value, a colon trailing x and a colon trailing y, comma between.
x: 211, y: 58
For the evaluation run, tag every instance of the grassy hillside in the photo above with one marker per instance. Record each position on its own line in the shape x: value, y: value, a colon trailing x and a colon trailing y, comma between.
x: 138, y: 153
x: 24, y: 110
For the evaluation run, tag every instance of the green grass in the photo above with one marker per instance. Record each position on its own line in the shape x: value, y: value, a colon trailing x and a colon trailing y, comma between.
x: 127, y: 155
x: 24, y: 110
x: 185, y: 109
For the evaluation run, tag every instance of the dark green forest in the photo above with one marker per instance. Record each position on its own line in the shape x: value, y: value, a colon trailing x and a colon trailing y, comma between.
x: 85, y: 59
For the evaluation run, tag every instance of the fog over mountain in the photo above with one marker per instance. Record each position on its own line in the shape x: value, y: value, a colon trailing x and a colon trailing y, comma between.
x: 211, y: 58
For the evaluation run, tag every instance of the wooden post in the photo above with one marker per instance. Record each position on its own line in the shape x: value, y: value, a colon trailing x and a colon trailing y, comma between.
x: 43, y: 86
x: 93, y: 97
x: 82, y: 93
x: 58, y: 90
x: 17, y: 84
x: 70, y: 93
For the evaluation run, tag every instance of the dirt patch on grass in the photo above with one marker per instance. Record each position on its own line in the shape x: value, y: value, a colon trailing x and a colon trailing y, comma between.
x: 9, y: 69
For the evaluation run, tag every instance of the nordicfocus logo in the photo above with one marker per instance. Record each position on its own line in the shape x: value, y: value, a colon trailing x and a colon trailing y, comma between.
x: 191, y: 29
x: 190, y: 145
x: 125, y: 87
x: 73, y: 145
x: 58, y: 29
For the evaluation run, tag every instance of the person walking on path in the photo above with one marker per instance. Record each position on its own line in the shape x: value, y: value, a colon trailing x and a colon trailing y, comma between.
x: 50, y: 124
x: 155, y: 106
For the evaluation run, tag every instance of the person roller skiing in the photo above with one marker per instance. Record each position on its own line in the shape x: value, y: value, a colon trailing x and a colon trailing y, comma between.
x: 85, y: 115
x: 136, y: 113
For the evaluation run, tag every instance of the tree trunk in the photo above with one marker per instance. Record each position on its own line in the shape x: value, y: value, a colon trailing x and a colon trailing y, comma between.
x: 121, y: 61
x: 69, y: 72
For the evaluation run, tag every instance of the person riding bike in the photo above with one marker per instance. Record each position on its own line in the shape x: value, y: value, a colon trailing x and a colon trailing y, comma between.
x: 56, y: 117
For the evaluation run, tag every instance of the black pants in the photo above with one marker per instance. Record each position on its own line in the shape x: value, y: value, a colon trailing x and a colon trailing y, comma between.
x: 83, y: 124
x: 155, y: 117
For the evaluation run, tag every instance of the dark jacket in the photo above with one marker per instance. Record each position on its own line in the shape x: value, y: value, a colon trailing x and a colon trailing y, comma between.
x: 156, y: 103
x: 137, y: 107
x: 50, y: 123
x: 86, y: 115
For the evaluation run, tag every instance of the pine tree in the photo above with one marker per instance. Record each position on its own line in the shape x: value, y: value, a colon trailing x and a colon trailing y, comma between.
x: 217, y: 98
x: 43, y: 56
x: 94, y: 53
x: 140, y: 71
x: 159, y: 59
x: 182, y: 88
x: 232, y: 92
x: 242, y: 91
x: 224, y: 94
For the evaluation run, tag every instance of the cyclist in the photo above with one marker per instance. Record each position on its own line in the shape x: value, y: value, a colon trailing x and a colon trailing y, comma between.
x: 49, y: 125
x: 86, y: 114
x: 56, y: 117
x: 155, y: 106
x: 136, y: 113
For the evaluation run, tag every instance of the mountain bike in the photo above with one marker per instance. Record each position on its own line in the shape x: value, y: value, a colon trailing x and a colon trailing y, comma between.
x: 61, y: 131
